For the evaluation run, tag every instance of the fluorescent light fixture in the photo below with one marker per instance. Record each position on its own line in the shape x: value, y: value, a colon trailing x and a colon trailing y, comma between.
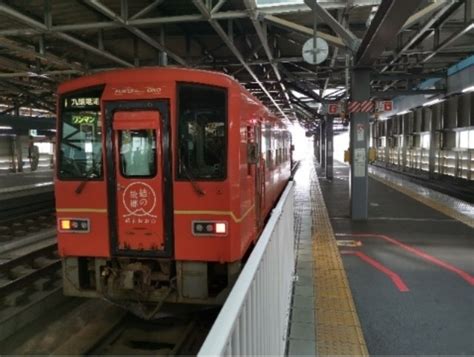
x: 434, y: 101
x: 6, y: 127
x: 468, y: 89
x: 403, y: 112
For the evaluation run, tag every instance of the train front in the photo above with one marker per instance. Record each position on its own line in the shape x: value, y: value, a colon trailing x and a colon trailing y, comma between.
x: 131, y: 225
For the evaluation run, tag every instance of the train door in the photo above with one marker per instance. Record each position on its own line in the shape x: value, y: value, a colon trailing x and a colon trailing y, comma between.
x: 139, y: 180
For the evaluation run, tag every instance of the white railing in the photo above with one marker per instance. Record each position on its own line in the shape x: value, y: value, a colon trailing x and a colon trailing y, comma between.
x: 254, y: 318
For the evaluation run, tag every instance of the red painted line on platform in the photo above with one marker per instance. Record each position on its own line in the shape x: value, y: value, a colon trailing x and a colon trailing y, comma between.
x: 399, y: 283
x: 418, y: 252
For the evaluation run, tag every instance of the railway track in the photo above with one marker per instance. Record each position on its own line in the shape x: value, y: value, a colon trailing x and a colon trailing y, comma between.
x: 29, y: 283
x: 26, y: 212
x: 24, y: 203
x: 28, y: 223
x: 19, y: 273
x: 96, y: 327
x: 131, y: 336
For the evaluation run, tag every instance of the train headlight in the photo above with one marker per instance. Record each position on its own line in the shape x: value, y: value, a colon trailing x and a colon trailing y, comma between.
x: 74, y: 225
x: 209, y: 228
x: 221, y: 228
x: 65, y: 224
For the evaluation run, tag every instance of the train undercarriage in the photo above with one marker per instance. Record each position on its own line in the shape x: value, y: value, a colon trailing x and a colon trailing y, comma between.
x: 149, y: 281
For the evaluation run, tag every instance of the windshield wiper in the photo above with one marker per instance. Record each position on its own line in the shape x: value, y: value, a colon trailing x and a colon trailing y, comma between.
x: 191, y: 179
x: 87, y: 177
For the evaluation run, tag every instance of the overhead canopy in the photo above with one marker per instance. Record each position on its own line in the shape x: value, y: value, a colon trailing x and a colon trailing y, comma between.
x: 43, y: 43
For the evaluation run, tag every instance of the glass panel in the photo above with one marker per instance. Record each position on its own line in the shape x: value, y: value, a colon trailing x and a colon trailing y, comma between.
x: 80, y: 137
x: 138, y: 153
x: 81, y: 144
x: 202, y: 129
x: 471, y: 139
x: 463, y: 139
x: 425, y: 141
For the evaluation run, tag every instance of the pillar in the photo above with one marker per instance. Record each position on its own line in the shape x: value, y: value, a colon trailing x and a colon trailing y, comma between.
x: 359, y: 133
x: 329, y: 147
x: 322, y: 143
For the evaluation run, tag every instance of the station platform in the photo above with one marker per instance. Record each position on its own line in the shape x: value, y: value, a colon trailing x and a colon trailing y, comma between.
x: 18, y: 184
x: 401, y: 282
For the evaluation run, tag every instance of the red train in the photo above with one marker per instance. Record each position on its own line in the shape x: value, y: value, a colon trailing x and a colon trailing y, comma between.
x: 164, y: 180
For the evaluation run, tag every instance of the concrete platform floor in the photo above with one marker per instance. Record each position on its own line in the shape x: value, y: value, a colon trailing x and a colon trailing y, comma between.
x: 410, y: 269
x: 27, y: 179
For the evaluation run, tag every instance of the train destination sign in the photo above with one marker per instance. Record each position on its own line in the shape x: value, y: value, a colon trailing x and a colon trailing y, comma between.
x: 83, y: 119
x: 81, y: 102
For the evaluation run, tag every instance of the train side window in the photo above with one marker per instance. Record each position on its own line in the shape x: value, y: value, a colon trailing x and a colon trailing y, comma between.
x: 202, y: 132
x: 138, y: 153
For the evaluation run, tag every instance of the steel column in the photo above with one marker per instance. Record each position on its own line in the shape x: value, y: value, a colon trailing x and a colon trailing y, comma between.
x: 322, y: 143
x: 405, y: 143
x: 329, y: 147
x: 433, y: 139
x: 316, y: 146
x: 359, y: 134
x: 18, y: 152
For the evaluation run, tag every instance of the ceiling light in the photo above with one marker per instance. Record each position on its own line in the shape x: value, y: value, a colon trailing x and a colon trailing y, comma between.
x: 434, y: 101
x: 403, y: 112
x: 468, y: 89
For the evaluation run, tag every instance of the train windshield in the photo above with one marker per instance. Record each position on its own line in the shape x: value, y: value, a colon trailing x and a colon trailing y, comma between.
x: 80, y: 155
x: 202, y: 132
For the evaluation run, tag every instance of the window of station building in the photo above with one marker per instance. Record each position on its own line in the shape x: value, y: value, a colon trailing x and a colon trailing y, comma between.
x: 425, y: 140
x: 138, y: 153
x: 202, y: 132
x: 80, y: 139
x: 44, y: 147
x: 465, y: 139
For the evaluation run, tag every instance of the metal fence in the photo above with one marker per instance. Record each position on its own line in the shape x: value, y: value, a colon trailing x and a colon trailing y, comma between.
x: 254, y: 318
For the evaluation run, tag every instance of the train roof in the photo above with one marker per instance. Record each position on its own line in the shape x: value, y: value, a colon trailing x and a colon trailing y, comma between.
x: 147, y: 74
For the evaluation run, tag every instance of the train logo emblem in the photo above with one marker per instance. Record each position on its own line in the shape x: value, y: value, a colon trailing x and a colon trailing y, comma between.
x: 136, y: 91
x: 139, y: 200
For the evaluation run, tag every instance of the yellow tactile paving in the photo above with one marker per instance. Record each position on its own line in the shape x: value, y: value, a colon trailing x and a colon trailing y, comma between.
x: 436, y: 205
x: 338, y: 330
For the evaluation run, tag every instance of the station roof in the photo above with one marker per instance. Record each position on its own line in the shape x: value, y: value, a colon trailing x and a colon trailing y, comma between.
x: 44, y: 42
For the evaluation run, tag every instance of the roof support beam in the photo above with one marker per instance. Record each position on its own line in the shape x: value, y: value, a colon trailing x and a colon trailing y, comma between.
x: 388, y: 21
x: 262, y: 35
x: 450, y: 40
x: 138, y: 22
x: 336, y: 41
x: 427, y: 10
x: 98, y: 6
x: 395, y: 93
x: 147, y: 9
x: 350, y: 40
x: 300, y: 86
x: 420, y: 33
x: 11, y: 12
x: 223, y: 35
x: 218, y: 6
x: 31, y: 97
x: 335, y: 53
